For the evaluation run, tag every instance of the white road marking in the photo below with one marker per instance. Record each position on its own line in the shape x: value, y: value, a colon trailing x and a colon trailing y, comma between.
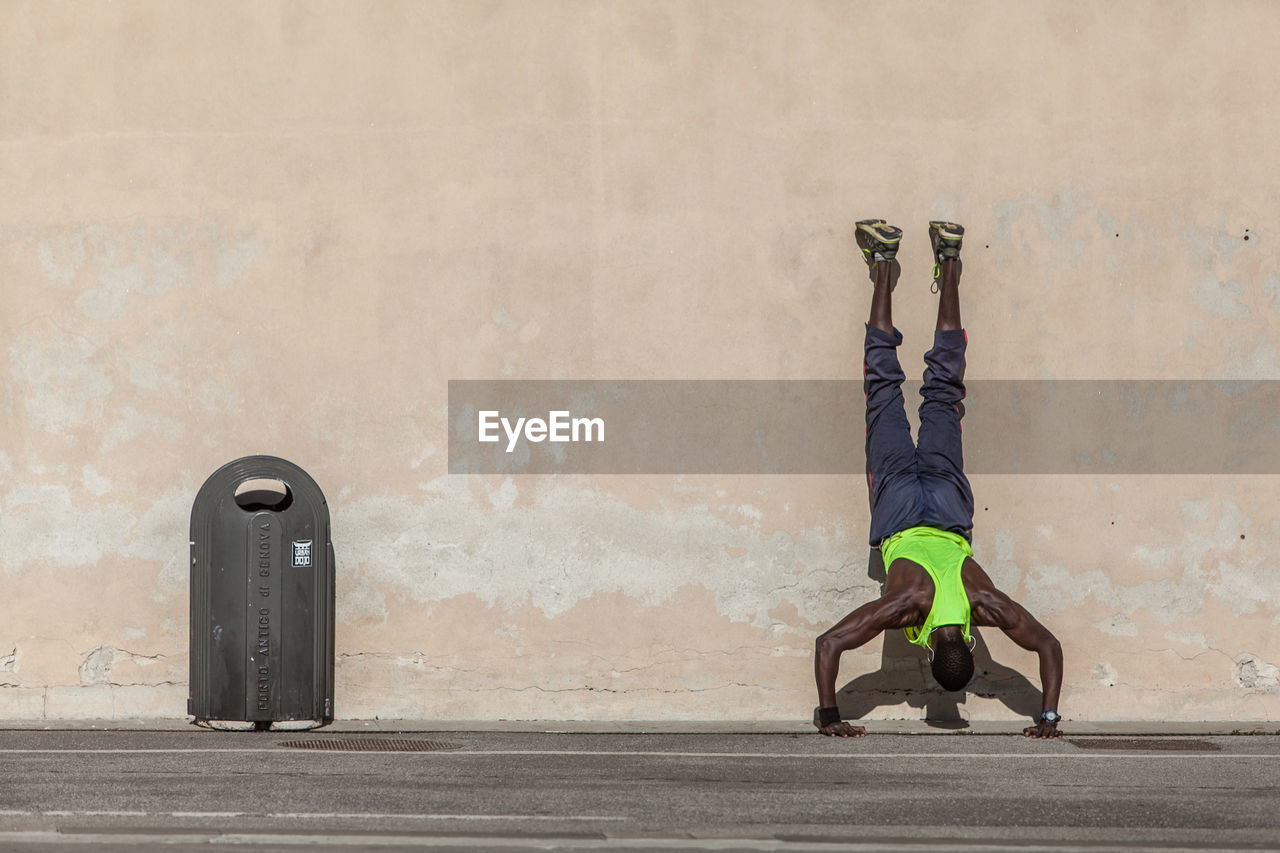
x: 1136, y: 752
x: 256, y: 840
x: 877, y: 756
x: 308, y: 815
x: 64, y: 813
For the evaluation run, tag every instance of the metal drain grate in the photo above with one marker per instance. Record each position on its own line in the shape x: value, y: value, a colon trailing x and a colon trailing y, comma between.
x: 352, y: 744
x: 1149, y: 744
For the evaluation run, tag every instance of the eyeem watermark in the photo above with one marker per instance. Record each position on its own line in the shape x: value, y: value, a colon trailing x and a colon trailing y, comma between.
x: 559, y: 426
x: 814, y: 426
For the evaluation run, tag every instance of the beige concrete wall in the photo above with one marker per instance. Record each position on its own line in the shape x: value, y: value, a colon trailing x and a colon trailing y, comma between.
x: 232, y: 228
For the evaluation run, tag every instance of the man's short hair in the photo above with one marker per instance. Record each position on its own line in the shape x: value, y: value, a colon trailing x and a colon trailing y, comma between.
x: 952, y: 661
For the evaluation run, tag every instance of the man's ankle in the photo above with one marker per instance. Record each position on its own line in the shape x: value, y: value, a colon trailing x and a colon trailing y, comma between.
x: 949, y: 272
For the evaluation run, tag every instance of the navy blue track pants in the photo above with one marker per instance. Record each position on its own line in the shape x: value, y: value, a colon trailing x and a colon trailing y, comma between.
x: 922, y: 483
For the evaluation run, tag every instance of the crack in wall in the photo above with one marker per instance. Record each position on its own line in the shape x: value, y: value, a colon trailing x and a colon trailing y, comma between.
x: 99, y: 663
x: 660, y: 691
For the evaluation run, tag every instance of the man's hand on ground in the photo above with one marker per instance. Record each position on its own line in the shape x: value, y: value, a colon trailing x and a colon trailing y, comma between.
x: 843, y: 729
x: 1042, y: 730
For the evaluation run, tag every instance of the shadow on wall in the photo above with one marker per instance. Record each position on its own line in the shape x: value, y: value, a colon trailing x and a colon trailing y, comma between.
x: 904, y: 677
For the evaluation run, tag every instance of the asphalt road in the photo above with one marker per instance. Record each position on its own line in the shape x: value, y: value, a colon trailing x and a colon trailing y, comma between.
x: 109, y: 791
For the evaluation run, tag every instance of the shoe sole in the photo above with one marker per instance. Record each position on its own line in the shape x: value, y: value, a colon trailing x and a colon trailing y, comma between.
x: 950, y: 236
x: 884, y: 239
x: 947, y: 230
x: 880, y: 231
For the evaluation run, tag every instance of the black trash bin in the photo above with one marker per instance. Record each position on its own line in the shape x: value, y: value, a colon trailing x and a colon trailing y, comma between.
x: 262, y: 596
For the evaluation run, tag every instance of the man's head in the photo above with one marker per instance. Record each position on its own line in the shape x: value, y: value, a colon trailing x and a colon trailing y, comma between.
x: 951, y: 658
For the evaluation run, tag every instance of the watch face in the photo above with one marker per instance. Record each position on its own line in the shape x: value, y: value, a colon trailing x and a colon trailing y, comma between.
x: 1050, y: 717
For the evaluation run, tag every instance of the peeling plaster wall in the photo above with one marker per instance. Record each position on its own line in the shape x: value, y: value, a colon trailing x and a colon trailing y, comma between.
x: 282, y: 227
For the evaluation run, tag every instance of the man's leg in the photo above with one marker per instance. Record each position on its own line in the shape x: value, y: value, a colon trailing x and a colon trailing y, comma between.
x: 948, y: 497
x: 882, y: 298
x: 949, y: 296
x: 891, y: 480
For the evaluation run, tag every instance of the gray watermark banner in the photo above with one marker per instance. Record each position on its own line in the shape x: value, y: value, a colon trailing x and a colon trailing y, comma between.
x: 818, y: 426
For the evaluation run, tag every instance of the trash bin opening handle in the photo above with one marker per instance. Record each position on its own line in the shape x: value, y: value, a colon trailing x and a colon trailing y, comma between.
x: 262, y: 493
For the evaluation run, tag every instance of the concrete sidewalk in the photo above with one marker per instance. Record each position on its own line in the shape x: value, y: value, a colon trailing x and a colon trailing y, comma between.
x: 780, y: 727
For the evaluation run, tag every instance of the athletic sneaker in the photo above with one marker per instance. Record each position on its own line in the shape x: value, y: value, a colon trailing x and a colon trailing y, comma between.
x: 878, y: 240
x: 945, y: 237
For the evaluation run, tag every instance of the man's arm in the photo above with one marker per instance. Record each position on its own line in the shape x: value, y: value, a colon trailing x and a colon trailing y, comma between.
x: 1001, y: 611
x: 852, y: 631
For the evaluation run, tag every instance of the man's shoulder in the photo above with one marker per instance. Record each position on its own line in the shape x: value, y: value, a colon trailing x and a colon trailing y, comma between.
x: 991, y: 605
x: 977, y: 581
x: 910, y: 584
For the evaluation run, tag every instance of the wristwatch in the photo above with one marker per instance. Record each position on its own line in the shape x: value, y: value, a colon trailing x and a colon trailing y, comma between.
x: 1051, y: 717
